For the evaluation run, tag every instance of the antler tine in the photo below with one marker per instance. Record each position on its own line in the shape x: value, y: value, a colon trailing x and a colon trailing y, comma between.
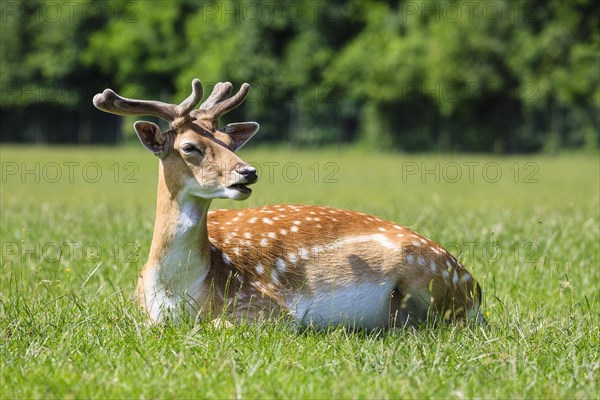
x: 215, y: 108
x: 220, y: 91
x: 111, y: 102
x: 231, y: 103
x: 186, y: 106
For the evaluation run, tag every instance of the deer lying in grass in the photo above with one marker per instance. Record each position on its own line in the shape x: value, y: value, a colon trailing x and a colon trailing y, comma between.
x: 321, y: 266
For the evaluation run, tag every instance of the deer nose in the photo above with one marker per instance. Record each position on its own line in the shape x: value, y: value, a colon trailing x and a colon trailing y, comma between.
x: 248, y: 173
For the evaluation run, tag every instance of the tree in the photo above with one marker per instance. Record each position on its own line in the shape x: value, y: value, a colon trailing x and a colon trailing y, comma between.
x: 457, y: 75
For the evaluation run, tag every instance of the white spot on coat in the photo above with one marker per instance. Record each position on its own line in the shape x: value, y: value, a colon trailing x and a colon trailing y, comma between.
x: 280, y: 264
x: 259, y: 269
x: 304, y: 254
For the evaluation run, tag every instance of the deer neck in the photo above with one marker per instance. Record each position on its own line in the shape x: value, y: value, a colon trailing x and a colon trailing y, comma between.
x: 179, y: 259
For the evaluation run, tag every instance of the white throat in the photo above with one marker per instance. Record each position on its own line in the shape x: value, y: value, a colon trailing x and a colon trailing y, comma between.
x: 179, y: 258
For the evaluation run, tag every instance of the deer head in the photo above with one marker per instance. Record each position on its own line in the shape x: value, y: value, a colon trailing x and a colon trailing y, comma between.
x: 196, y: 157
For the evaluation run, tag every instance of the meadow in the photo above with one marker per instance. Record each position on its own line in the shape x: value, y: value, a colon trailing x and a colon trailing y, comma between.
x: 76, y: 226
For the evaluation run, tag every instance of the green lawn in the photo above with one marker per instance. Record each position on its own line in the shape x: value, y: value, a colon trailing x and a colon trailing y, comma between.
x: 76, y: 225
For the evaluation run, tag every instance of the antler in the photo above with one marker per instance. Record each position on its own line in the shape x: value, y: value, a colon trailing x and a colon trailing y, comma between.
x: 215, y: 106
x: 111, y: 102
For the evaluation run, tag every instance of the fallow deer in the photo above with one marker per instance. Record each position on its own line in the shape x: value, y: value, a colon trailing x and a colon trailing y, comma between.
x: 318, y: 265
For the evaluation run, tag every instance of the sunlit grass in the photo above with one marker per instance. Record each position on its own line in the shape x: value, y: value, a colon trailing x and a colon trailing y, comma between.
x: 72, y: 247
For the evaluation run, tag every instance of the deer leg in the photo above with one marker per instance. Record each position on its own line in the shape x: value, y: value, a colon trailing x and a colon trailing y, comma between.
x: 406, y: 310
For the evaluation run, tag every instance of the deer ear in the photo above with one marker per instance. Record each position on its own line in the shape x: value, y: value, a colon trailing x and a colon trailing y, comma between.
x: 152, y: 138
x: 240, y: 132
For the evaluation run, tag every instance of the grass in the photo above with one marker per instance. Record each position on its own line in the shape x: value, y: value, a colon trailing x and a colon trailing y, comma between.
x: 72, y: 246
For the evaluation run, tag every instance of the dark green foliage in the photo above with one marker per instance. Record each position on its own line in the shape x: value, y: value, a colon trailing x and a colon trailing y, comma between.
x: 497, y: 76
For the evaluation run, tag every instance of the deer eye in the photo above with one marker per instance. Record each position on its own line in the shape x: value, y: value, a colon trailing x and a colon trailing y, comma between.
x: 189, y: 148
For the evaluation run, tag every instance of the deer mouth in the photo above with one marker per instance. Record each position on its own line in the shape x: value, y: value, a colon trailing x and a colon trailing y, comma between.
x: 241, y: 187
